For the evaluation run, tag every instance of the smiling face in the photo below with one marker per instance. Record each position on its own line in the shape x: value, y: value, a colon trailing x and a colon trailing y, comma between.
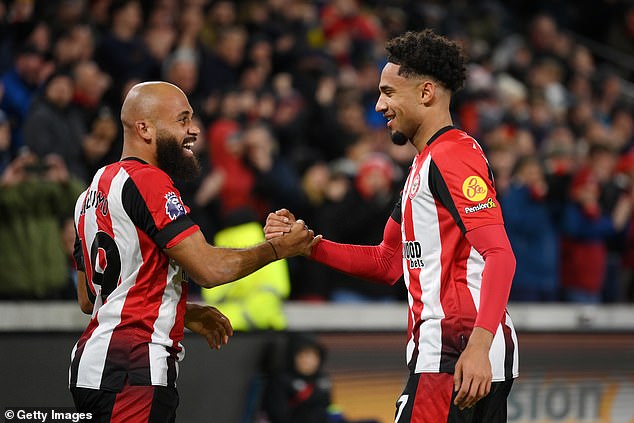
x: 399, y: 101
x: 176, y: 134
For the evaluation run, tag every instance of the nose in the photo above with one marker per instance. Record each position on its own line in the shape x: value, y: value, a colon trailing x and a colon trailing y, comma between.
x: 194, y: 130
x: 380, y: 105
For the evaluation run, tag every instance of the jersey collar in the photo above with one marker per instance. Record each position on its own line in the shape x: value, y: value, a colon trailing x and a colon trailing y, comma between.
x: 439, y: 133
x: 136, y: 159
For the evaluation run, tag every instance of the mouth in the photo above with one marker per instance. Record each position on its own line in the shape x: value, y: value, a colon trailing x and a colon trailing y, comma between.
x: 188, y: 144
x: 389, y: 119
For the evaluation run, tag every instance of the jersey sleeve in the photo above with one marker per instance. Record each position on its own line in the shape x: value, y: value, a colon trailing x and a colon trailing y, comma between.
x: 461, y: 180
x: 155, y: 206
x: 382, y: 263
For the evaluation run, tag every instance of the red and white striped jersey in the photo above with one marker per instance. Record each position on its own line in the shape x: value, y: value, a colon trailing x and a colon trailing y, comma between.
x: 448, y: 192
x: 128, y: 214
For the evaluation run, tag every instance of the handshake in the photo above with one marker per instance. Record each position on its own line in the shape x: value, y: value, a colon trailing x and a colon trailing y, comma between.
x: 288, y: 236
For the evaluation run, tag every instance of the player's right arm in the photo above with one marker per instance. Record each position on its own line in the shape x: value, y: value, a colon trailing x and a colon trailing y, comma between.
x: 380, y: 263
x: 210, y: 266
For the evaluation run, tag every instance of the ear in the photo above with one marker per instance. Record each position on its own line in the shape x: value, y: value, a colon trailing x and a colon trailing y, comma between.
x: 145, y: 130
x: 427, y: 91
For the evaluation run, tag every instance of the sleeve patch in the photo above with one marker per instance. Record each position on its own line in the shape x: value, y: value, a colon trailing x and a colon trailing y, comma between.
x: 174, y: 207
x: 474, y: 188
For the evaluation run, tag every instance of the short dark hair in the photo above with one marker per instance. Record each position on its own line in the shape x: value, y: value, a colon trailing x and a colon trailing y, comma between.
x: 426, y: 53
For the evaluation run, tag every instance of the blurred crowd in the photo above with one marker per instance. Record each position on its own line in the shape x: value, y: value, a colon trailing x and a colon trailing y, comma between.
x: 284, y: 91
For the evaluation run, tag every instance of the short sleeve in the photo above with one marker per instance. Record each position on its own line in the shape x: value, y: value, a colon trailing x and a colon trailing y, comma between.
x: 155, y: 206
x: 461, y: 180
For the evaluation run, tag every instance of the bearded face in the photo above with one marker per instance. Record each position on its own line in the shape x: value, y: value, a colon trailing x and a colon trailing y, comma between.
x: 175, y: 157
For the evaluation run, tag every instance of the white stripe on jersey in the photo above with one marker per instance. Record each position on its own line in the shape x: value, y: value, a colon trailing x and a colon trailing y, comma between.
x: 475, y: 266
x: 165, y: 319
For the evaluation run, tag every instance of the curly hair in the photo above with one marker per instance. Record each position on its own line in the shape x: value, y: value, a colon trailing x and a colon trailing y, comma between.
x: 429, y: 54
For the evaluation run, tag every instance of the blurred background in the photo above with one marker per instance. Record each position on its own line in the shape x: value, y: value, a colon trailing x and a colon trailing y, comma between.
x: 284, y: 92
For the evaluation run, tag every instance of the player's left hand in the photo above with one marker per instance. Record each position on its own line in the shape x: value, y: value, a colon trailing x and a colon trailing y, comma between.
x: 208, y: 322
x: 472, y: 377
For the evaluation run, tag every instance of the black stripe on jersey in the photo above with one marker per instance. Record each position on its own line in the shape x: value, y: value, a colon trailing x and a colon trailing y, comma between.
x: 74, y: 365
x: 137, y: 209
x: 172, y: 229
x: 78, y: 253
x: 396, y: 212
x: 135, y: 206
x: 440, y: 191
x: 115, y: 369
x: 140, y: 374
x: 510, y: 351
x: 171, y: 367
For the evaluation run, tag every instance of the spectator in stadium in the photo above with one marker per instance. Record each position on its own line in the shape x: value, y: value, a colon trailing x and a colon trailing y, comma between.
x: 532, y: 232
x: 595, y: 210
x: 34, y: 196
x: 136, y: 242
x: 370, y: 198
x: 276, y: 183
x: 220, y: 68
x: 20, y: 85
x: 54, y: 125
x: 447, y: 237
x: 121, y: 53
x: 300, y: 392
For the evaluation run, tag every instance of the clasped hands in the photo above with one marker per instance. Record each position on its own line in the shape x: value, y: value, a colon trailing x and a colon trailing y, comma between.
x: 290, y: 236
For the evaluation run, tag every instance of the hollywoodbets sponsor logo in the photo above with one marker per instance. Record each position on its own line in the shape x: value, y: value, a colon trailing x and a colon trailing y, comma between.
x: 490, y: 204
x: 412, y: 251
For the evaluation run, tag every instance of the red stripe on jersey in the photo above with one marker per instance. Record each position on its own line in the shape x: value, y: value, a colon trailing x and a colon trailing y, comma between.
x: 455, y: 297
x: 433, y: 398
x: 133, y: 404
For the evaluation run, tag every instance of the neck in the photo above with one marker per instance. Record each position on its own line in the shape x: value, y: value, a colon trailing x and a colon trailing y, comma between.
x: 138, y: 149
x: 429, y: 127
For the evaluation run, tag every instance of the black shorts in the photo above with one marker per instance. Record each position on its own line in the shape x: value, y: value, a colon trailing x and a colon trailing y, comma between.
x: 428, y: 398
x: 142, y: 404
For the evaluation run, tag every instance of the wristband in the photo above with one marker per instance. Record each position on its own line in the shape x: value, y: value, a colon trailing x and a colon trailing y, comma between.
x: 274, y: 250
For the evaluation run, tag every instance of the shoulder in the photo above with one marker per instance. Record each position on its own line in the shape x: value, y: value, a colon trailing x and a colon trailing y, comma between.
x: 145, y: 174
x: 456, y: 145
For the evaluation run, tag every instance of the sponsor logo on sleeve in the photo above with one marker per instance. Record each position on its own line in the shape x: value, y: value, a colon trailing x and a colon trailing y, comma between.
x: 173, y: 206
x: 474, y: 188
x: 489, y: 204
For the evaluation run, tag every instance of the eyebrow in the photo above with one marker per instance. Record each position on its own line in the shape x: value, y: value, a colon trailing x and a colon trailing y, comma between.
x: 183, y: 114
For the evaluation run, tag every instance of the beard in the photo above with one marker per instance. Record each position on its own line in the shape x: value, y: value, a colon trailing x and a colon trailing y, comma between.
x: 172, y: 159
x: 399, y: 138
